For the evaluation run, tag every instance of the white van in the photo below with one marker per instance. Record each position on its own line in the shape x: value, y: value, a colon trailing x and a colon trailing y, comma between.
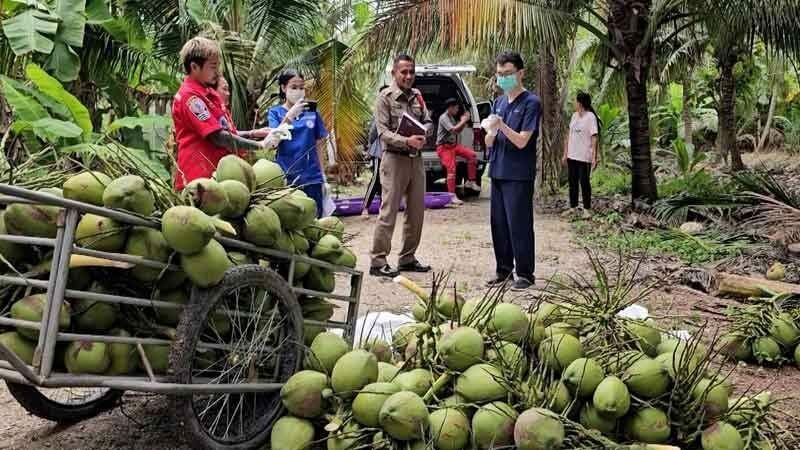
x: 437, y: 83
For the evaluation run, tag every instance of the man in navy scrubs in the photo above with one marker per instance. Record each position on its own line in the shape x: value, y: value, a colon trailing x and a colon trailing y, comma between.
x: 512, y: 133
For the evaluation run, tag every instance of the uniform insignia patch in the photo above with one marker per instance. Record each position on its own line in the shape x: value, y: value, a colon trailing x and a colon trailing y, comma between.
x: 198, y: 108
x: 223, y: 122
x: 309, y: 123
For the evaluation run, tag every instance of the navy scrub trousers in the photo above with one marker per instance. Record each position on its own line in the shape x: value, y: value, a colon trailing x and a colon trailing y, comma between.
x: 512, y: 227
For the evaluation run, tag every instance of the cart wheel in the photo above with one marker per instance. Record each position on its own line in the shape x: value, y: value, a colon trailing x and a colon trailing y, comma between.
x: 254, y: 313
x: 64, y: 404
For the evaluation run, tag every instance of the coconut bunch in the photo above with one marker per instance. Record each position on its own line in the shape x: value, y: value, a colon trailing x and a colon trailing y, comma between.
x: 765, y: 332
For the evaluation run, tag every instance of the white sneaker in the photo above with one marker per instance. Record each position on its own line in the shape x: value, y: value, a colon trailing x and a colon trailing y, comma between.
x: 471, y: 185
x: 456, y: 201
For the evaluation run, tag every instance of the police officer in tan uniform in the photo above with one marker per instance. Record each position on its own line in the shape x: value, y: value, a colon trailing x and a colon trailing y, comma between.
x: 402, y: 173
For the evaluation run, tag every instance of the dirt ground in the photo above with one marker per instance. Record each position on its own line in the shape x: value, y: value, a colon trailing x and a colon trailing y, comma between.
x: 457, y: 239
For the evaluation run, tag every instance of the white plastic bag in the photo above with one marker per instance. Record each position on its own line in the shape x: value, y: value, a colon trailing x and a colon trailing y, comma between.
x: 635, y: 312
x: 377, y: 325
x: 328, y: 206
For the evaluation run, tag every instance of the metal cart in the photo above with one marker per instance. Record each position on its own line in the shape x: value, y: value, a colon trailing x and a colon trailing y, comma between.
x: 225, y: 384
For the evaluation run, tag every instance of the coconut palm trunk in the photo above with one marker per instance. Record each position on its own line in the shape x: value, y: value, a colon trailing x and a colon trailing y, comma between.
x: 727, y: 114
x: 552, y: 141
x: 686, y: 112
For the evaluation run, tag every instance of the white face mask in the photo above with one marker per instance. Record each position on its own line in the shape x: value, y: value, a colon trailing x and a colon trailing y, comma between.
x: 295, y: 95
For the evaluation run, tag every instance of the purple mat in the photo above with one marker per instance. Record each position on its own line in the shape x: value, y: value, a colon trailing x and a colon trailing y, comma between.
x: 352, y: 206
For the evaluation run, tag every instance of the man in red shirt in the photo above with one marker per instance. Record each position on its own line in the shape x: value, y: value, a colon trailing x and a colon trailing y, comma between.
x: 202, y: 129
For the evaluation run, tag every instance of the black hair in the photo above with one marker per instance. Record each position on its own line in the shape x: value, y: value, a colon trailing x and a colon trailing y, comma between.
x: 400, y: 57
x: 451, y: 102
x: 510, y: 57
x: 586, y: 101
x: 283, y: 80
x: 385, y: 86
x: 187, y: 63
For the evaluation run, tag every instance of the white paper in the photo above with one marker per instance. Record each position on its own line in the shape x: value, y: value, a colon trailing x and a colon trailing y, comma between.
x: 635, y: 312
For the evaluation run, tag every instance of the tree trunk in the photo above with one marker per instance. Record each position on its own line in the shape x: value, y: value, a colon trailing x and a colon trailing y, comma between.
x: 688, y: 126
x: 727, y: 114
x: 770, y: 117
x: 551, y: 126
x: 643, y: 178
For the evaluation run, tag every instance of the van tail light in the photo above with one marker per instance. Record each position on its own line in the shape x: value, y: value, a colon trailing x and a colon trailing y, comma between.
x: 478, y: 141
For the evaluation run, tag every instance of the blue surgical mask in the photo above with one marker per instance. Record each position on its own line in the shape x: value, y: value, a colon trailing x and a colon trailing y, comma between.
x: 507, y: 82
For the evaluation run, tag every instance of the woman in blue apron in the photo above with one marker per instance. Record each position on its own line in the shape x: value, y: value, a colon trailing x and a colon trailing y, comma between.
x: 300, y: 157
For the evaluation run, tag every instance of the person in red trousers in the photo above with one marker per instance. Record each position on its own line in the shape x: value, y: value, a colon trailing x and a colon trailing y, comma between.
x: 448, y: 147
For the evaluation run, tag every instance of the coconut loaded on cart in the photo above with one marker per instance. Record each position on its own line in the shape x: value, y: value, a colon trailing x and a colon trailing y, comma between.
x: 113, y: 283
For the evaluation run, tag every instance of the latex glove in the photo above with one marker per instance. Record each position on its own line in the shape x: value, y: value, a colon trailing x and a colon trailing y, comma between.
x: 283, y: 132
x: 491, y: 124
x: 271, y: 141
x: 296, y: 110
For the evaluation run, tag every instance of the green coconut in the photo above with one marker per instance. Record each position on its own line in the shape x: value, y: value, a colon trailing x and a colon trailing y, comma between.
x: 301, y: 270
x: 667, y: 346
x: 325, y: 350
x: 783, y: 330
x: 480, y: 384
x: 309, y: 209
x: 86, y: 187
x: 21, y: 347
x: 547, y: 313
x: 590, y: 418
x: 405, y: 334
x: 646, y: 335
x: 493, y: 425
x: 417, y: 381
x: 303, y: 393
x: 536, y: 333
x: 721, y: 436
x: 353, y: 371
x: 158, y: 355
x: 347, y: 259
x: 713, y: 395
x: 92, y: 316
x: 404, y: 416
x: 538, y: 429
x: 743, y: 410
x: 446, y: 304
x: 647, y: 378
x: 207, y: 195
x: 349, y: 437
x: 171, y: 316
x: 13, y: 253
x: 31, y: 308
x: 685, y: 358
x: 187, y: 229
x: 328, y: 248
x: 207, y: 267
x: 151, y: 245
x: 291, y: 433
x: 510, y: 357
x: 583, y: 375
x: 797, y: 356
x: 649, y: 425
x: 33, y: 220
x: 129, y: 192
x: 234, y: 168
x: 766, y: 350
x: 367, y: 404
x: 268, y: 174
x: 85, y: 357
x: 611, y: 398
x: 449, y: 429
x: 319, y: 279
x: 289, y: 208
x: 387, y: 372
x: 124, y: 357
x: 238, y: 199
x: 560, y: 351
x: 455, y: 401
x: 380, y: 348
x: 262, y: 226
x: 560, y: 328
x: 300, y: 242
x: 509, y: 322
x: 777, y: 272
x: 100, y: 233
x: 461, y: 349
x: 240, y: 259
x: 558, y: 397
x: 284, y: 243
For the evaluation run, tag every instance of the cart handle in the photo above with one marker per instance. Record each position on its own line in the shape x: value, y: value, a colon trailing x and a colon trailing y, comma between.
x: 19, y: 365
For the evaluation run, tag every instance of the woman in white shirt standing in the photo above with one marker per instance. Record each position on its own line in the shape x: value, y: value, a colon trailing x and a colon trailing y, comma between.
x: 580, y: 151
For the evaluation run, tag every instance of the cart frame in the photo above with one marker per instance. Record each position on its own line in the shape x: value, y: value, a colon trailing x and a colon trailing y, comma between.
x: 40, y: 374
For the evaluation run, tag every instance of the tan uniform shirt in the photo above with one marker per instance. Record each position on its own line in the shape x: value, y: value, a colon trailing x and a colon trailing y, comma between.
x: 392, y: 102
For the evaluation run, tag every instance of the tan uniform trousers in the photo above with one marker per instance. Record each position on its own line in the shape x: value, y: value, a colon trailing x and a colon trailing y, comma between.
x: 401, y: 177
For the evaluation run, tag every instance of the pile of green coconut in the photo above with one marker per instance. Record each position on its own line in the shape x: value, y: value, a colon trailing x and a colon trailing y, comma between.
x: 765, y: 331
x: 247, y: 202
x: 490, y: 374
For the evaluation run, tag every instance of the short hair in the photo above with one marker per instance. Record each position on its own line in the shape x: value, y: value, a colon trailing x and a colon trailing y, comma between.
x: 198, y: 50
x: 510, y: 57
x: 398, y: 58
x: 451, y: 102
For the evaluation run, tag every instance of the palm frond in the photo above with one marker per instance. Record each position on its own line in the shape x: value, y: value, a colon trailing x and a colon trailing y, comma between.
x: 676, y: 210
x: 762, y: 183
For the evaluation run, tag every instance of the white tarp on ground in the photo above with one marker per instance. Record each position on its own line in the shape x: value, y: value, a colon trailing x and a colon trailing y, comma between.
x: 379, y: 325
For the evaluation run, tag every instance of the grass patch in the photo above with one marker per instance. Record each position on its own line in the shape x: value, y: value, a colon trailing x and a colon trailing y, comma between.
x: 609, y: 181
x: 605, y: 232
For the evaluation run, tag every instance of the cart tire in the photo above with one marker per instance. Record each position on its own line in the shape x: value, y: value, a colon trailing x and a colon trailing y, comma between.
x: 38, y: 404
x: 267, y: 407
